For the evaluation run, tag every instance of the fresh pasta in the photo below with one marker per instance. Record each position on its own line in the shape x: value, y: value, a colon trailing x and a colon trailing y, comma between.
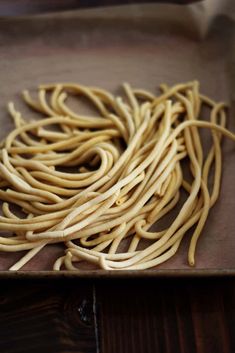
x: 111, y: 186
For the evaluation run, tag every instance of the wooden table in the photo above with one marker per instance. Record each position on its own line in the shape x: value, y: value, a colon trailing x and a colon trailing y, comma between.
x: 107, y: 316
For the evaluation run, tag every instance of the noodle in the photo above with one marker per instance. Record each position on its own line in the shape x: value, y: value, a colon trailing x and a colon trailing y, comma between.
x: 98, y: 183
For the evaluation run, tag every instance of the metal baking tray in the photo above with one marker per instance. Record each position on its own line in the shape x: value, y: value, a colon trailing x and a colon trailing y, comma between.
x: 144, y: 45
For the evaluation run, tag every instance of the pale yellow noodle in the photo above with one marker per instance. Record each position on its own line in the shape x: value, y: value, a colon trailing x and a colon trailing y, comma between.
x: 98, y: 183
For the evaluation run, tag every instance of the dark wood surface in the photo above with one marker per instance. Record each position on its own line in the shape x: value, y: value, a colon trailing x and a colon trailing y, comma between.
x: 46, y: 317
x: 162, y: 316
x: 167, y: 316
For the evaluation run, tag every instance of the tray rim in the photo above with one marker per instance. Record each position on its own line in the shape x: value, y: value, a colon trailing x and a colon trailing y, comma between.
x: 122, y: 274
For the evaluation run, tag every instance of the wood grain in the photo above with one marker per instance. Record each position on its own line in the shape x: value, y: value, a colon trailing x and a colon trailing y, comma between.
x: 45, y: 316
x: 134, y: 316
x: 167, y: 316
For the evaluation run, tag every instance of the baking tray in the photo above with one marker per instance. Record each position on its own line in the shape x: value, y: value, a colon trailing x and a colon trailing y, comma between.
x: 144, y: 45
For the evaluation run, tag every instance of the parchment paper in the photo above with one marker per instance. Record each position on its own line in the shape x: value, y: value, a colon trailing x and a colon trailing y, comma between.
x: 144, y: 45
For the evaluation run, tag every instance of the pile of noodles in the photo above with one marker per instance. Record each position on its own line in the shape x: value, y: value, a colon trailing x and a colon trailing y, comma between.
x: 98, y: 183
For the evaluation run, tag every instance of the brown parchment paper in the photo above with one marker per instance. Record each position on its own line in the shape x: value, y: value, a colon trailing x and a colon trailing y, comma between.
x: 144, y: 45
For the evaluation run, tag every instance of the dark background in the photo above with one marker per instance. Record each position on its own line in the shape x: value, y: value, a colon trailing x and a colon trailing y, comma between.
x: 117, y: 316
